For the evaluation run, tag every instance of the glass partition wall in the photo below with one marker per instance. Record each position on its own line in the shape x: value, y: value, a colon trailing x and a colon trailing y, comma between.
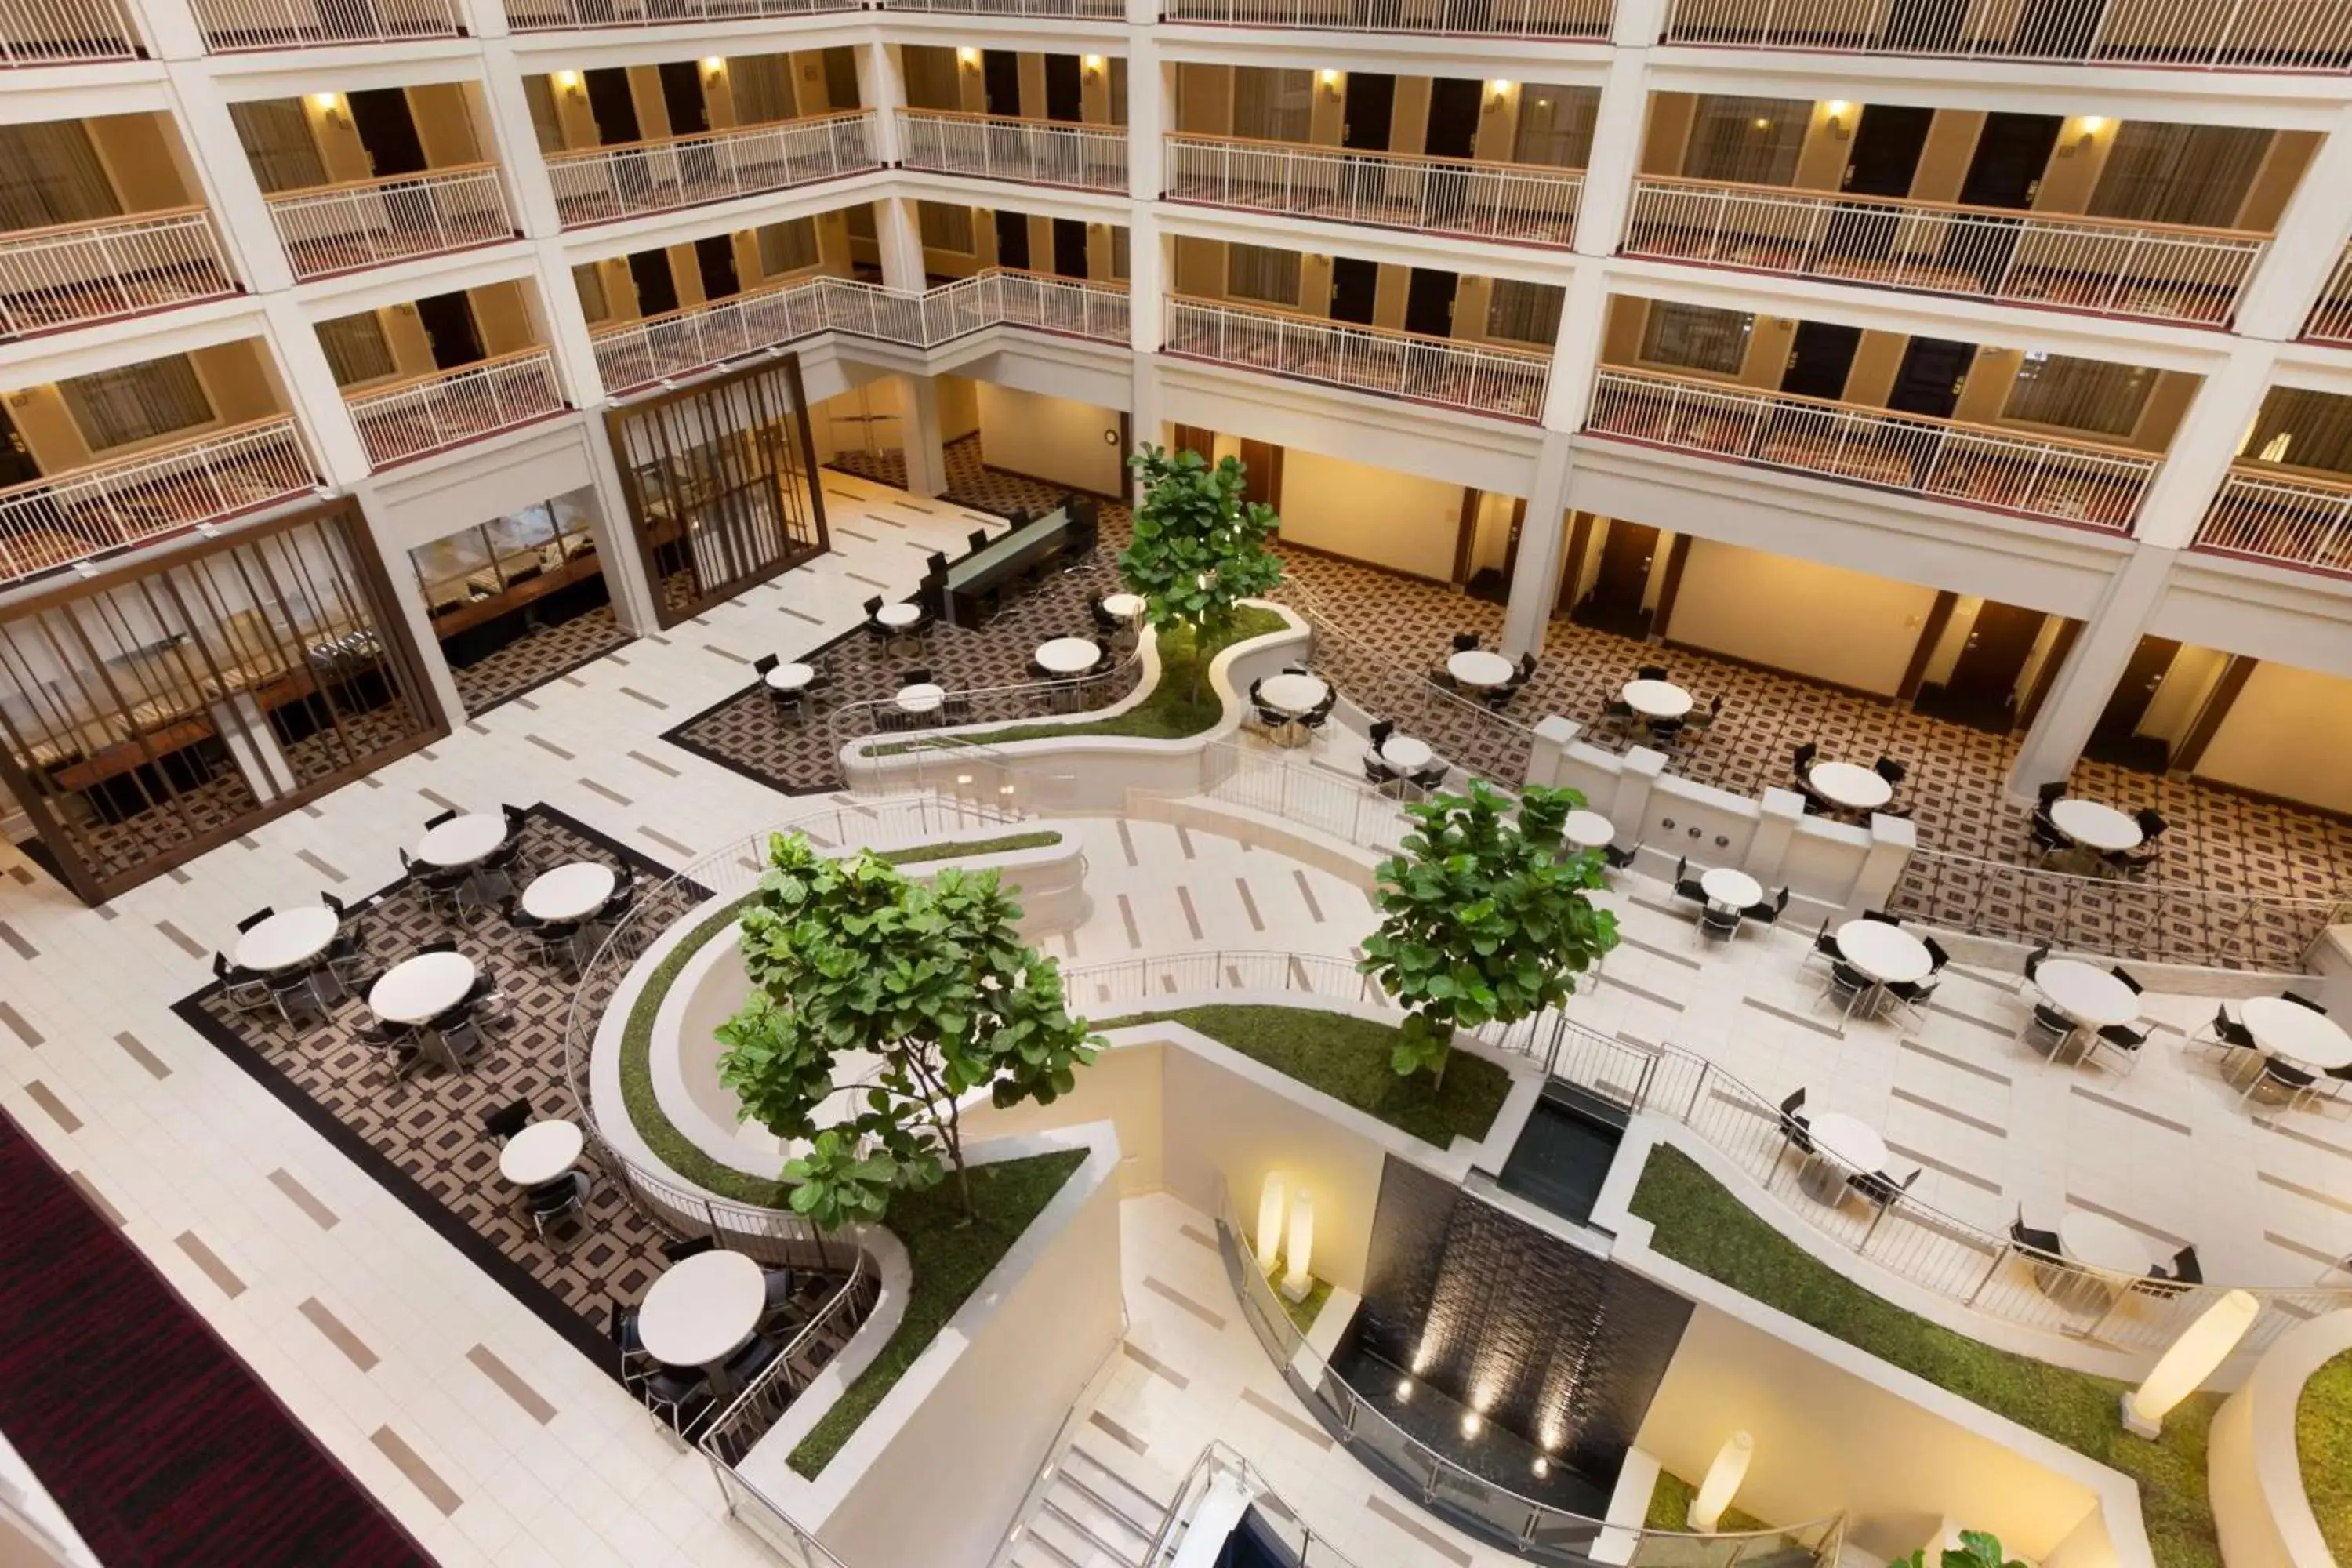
x: 518, y: 600
x: 152, y: 712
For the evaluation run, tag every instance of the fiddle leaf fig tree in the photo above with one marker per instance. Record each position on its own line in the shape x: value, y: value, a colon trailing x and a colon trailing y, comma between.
x: 1976, y: 1550
x: 1199, y: 547
x: 1483, y: 918
x: 926, y: 989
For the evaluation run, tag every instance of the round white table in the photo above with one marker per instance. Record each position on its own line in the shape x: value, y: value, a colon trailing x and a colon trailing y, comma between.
x: 1656, y: 698
x: 1125, y: 606
x: 2102, y: 1243
x: 1068, y: 655
x: 1476, y: 667
x: 1731, y: 887
x: 420, y: 989
x: 1845, y: 784
x: 288, y: 938
x: 1888, y: 954
x: 1843, y: 1146
x: 920, y: 698
x: 702, y: 1311
x: 2284, y: 1028
x: 569, y: 892
x: 1291, y: 693
x: 463, y: 840
x: 789, y: 677
x: 542, y: 1153
x: 2095, y: 827
x: 1588, y: 829
x: 1406, y: 755
x: 2086, y: 994
x: 898, y: 616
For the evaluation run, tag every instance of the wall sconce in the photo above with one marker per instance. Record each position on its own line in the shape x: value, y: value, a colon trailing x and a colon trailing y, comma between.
x: 1836, y: 122
x: 1723, y: 1479
x: 1301, y: 1249
x: 2202, y: 1346
x: 2090, y: 124
x: 329, y: 107
x: 967, y: 58
x: 713, y: 66
x: 1330, y: 82
x: 569, y: 82
x: 1091, y: 64
x: 1497, y: 91
x: 1269, y: 1222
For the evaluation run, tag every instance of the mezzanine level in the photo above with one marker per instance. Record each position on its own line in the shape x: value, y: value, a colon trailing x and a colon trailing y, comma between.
x: 69, y: 275
x: 1476, y: 378
x: 356, y: 224
x: 2253, y: 35
x: 1528, y: 204
x: 418, y: 415
x: 602, y: 184
x: 1013, y: 147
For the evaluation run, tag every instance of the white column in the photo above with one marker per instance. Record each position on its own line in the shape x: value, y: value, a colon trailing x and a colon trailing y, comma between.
x: 168, y: 27
x: 1535, y: 569
x: 901, y: 238
x: 312, y: 393
x: 1147, y: 267
x: 2205, y: 445
x: 881, y: 88
x: 483, y: 18
x: 1575, y: 353
x: 408, y: 602
x: 564, y: 327
x: 926, y: 453
x: 1637, y: 23
x: 1616, y: 153
x: 616, y: 543
x: 230, y: 190
x: 2087, y: 680
x: 1146, y: 93
x: 521, y: 163
x: 2310, y: 240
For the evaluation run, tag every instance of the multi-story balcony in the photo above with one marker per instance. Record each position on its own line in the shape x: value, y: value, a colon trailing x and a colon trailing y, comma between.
x: 66, y: 32
x: 1076, y: 10
x: 1576, y: 19
x: 552, y: 15
x: 2331, y: 319
x: 70, y: 274
x: 631, y: 354
x: 2252, y: 37
x: 417, y: 414
x: 1525, y: 202
x: 232, y: 25
x: 2086, y: 483
x: 600, y: 184
x: 357, y: 224
x: 106, y: 506
x: 2286, y: 520
x: 1479, y: 378
x: 1010, y: 147
x: 2106, y: 265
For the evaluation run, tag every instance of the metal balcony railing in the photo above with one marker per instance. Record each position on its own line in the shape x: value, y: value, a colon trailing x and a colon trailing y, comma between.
x: 1586, y: 19
x: 547, y: 16
x: 1479, y: 378
x: 2058, y: 480
x: 1527, y: 202
x: 1081, y: 10
x: 2162, y: 271
x: 52, y: 523
x: 2288, y: 519
x: 598, y: 184
x: 1008, y: 147
x: 366, y: 223
x: 230, y: 26
x: 63, y: 276
x: 631, y: 354
x: 66, y: 32
x: 2238, y: 35
x: 2331, y: 319
x: 427, y: 412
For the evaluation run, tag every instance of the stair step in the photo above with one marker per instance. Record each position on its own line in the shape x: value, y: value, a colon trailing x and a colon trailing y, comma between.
x: 1127, y: 1475
x: 1034, y: 1551
x: 1072, y: 1545
x: 1098, y: 1510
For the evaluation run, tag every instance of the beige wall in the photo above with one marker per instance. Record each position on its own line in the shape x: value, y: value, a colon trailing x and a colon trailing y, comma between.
x: 1370, y: 514
x: 143, y: 160
x: 1825, y: 622
x: 237, y: 378
x: 445, y: 114
x: 959, y: 407
x: 2190, y: 680
x: 1051, y: 438
x: 2286, y: 736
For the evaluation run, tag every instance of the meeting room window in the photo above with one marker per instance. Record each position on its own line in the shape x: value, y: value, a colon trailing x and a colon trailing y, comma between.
x: 50, y: 173
x: 2097, y: 395
x: 945, y: 227
x: 1695, y: 337
x: 356, y: 349
x: 1555, y: 125
x: 1259, y: 272
x: 1118, y: 253
x: 1523, y: 312
x: 137, y: 403
x: 1273, y: 105
x: 278, y: 143
x: 2196, y: 175
x: 932, y: 79
x: 1752, y: 141
x: 788, y: 246
x: 762, y: 85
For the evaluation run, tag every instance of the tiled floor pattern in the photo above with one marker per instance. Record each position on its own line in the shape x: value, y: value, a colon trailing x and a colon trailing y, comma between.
x: 530, y: 662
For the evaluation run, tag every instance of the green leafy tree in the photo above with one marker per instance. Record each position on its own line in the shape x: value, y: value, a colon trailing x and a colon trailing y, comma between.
x: 1977, y: 1549
x: 930, y: 983
x: 1199, y: 547
x: 1483, y: 919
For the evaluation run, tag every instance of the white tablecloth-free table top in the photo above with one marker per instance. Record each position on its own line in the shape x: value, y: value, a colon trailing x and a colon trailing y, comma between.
x: 541, y: 1153
x: 1588, y: 829
x: 1656, y: 698
x: 789, y: 676
x: 1068, y: 655
x: 1406, y: 753
x: 895, y: 616
x: 920, y: 698
x: 700, y: 1312
x: 2085, y: 993
x: 569, y: 892
x: 1125, y: 606
x: 1729, y: 885
x: 1888, y: 954
x: 420, y: 989
x: 2284, y: 1028
x: 289, y: 938
x: 2094, y: 1239
x: 2095, y: 827
x: 1849, y: 1141
x: 1476, y: 667
x: 1291, y: 693
x: 1855, y: 787
x: 463, y: 840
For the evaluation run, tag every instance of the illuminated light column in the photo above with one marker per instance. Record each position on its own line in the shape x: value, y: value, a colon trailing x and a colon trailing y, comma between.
x: 1269, y: 1223
x: 1722, y: 1482
x: 1299, y: 1280
x: 2202, y: 1346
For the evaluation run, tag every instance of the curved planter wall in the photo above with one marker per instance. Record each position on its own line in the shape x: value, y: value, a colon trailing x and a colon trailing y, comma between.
x: 2254, y: 1474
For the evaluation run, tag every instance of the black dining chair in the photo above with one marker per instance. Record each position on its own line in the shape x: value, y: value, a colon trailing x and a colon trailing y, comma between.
x: 1878, y: 1188
x: 2120, y: 972
x: 1767, y: 911
x: 507, y: 1120
x: 764, y: 663
x: 561, y: 1199
x: 1716, y: 921
x: 1882, y: 917
x: 635, y: 1361
x: 2226, y: 1034
x: 1650, y: 672
x: 1802, y: 758
x: 1847, y: 986
x: 433, y: 822
x: 2035, y: 960
x: 1825, y: 943
x: 439, y: 945
x: 1889, y: 769
x: 1463, y: 642
x: 2049, y: 795
x: 246, y: 990
x: 2298, y: 1083
x: 2151, y: 822
x: 678, y: 1251
x: 2050, y: 1024
x: 1937, y: 956
x: 680, y: 1395
x: 1686, y: 885
x: 1382, y: 728
x: 1796, y: 1128
x: 1913, y: 994
x: 256, y: 917
x: 2034, y: 1239
x: 1617, y: 860
x: 2302, y: 1001
x: 2124, y: 1040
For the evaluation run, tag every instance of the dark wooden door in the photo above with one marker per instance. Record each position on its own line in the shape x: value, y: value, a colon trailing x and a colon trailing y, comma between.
x: 2137, y: 688
x: 657, y: 287
x: 17, y: 464
x: 2011, y: 152
x: 1355, y: 286
x: 1069, y: 248
x: 1623, y: 576
x: 1984, y: 678
x: 1196, y: 439
x: 448, y: 323
x: 1929, y: 380
x: 1000, y: 75
x: 1885, y: 150
x: 714, y: 257
x: 1013, y: 239
x: 1371, y: 104
x: 1065, y: 93
x: 1454, y: 109
x: 1264, y: 461
x: 1429, y: 302
x: 610, y: 105
x: 1819, y: 360
x: 681, y: 85
x: 381, y: 119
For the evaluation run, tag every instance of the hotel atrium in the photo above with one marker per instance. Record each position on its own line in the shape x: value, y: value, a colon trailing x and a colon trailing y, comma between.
x: 1176, y: 784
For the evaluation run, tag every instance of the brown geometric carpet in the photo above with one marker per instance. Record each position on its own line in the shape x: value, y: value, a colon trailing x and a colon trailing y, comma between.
x: 530, y: 662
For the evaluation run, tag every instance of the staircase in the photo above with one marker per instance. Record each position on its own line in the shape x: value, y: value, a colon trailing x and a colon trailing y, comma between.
x: 1099, y: 1508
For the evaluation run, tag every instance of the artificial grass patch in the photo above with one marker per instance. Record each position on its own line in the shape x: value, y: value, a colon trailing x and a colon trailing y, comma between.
x: 972, y: 849
x: 1302, y: 1312
x: 1701, y: 1223
x: 1670, y: 1502
x: 950, y: 1258
x: 2323, y: 1447
x: 1347, y: 1057
x: 1168, y: 711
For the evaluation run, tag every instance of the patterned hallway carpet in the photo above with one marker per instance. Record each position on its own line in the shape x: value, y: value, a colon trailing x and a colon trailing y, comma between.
x: 160, y: 1444
x: 528, y: 663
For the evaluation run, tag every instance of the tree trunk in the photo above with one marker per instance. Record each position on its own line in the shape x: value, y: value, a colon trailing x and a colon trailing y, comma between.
x: 1445, y: 1059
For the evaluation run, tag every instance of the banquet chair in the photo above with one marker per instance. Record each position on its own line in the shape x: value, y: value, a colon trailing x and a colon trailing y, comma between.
x: 1769, y: 912
x: 1464, y: 642
x: 254, y: 918
x: 1650, y: 672
x: 2300, y: 1083
x: 635, y: 1362
x: 2302, y: 1001
x: 1716, y: 921
x: 1686, y: 885
x: 1796, y: 1128
x: 680, y: 1395
x: 507, y: 1120
x: 2033, y: 1239
x: 1889, y: 769
x: 2124, y: 1040
x: 687, y: 1246
x: 433, y: 822
x: 246, y: 990
x: 562, y: 1198
x: 1825, y: 943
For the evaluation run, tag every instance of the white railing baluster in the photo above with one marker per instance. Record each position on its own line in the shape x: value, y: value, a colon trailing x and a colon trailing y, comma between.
x: 1586, y: 19
x: 72, y: 273
x: 2240, y: 37
x: 2331, y: 319
x: 1479, y: 378
x: 229, y: 26
x: 366, y: 223
x: 597, y: 185
x: 431, y: 412
x: 2288, y: 519
x: 1528, y: 203
x: 545, y: 15
x: 1004, y: 147
x: 63, y: 31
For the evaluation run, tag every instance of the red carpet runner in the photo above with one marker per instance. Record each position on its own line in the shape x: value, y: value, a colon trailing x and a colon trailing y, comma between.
x: 161, y: 1445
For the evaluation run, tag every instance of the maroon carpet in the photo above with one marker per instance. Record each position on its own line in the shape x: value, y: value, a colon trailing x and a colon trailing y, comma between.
x: 161, y: 1447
